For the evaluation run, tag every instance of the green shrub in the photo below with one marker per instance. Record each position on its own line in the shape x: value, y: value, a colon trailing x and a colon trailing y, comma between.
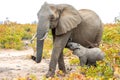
x: 111, y: 34
x: 12, y: 35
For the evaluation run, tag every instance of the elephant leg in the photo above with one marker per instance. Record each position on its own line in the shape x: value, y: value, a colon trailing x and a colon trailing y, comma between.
x: 83, y: 61
x: 58, y: 46
x: 61, y: 63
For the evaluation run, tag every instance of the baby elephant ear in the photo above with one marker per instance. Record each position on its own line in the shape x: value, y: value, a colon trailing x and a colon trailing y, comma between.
x: 69, y: 19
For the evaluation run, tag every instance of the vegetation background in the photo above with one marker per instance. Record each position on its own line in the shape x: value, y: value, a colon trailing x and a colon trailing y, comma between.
x: 13, y: 36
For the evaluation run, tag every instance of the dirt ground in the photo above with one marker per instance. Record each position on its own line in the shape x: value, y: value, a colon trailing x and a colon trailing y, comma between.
x: 15, y: 63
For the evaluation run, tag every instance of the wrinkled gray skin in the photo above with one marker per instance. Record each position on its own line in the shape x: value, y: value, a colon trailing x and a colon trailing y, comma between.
x: 87, y: 56
x: 83, y: 26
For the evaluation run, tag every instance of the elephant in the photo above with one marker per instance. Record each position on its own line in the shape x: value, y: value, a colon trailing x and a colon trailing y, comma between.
x: 66, y: 23
x: 87, y: 56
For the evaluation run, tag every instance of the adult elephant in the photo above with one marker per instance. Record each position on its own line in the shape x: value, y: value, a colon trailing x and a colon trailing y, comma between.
x: 67, y: 23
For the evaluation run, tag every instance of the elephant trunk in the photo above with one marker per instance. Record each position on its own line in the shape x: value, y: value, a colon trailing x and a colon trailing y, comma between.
x: 41, y: 35
x: 42, y: 31
x: 39, y: 50
x: 39, y: 47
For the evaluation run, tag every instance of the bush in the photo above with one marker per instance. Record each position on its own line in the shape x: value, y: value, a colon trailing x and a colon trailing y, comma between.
x: 11, y: 35
x: 111, y: 34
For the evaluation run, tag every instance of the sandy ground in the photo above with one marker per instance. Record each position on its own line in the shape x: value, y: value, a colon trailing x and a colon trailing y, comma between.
x: 15, y: 63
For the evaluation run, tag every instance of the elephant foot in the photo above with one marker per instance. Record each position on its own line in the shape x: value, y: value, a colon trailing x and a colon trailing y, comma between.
x: 63, y: 69
x: 50, y: 74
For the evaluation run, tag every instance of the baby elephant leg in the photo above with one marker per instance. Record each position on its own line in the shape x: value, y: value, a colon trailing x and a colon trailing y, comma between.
x: 91, y: 63
x: 83, y: 61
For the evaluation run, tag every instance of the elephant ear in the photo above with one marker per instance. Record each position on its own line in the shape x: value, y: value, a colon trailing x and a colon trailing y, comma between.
x: 69, y: 19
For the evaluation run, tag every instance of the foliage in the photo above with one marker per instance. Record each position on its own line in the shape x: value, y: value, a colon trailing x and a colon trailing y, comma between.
x: 111, y: 33
x: 12, y: 35
x: 67, y: 52
x: 47, y: 49
x: 74, y: 60
x: 28, y: 77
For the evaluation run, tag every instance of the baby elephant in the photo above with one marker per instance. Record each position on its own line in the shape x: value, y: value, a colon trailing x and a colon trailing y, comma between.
x: 87, y: 56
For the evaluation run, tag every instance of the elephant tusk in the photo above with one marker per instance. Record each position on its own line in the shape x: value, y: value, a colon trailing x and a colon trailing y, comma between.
x: 33, y: 37
x: 44, y: 36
